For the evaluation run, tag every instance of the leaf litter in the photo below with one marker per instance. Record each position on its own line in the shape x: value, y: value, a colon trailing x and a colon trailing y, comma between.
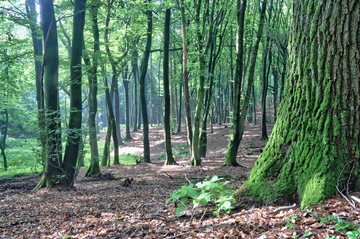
x: 129, y: 201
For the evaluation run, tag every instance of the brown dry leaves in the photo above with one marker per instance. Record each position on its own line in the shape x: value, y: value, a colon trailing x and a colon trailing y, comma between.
x: 102, y: 208
x: 105, y: 209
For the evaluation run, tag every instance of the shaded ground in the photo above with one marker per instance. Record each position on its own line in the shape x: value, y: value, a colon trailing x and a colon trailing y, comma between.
x: 128, y: 201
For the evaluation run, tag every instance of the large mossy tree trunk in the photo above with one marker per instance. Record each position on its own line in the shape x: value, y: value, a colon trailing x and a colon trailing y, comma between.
x: 315, y: 145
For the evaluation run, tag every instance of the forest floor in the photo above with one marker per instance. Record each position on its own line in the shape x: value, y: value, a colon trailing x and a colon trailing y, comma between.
x: 129, y: 201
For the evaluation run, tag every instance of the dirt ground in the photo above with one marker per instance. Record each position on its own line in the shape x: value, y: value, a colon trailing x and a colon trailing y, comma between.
x: 128, y: 201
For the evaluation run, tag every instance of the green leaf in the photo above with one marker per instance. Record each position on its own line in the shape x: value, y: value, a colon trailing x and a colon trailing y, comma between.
x: 307, y: 234
x: 180, y: 209
x: 353, y: 234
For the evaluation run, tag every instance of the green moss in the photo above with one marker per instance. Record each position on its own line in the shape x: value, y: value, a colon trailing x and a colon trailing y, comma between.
x: 313, y: 191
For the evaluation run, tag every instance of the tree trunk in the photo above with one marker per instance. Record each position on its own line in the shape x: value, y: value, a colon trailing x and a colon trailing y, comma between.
x: 127, y: 112
x: 38, y: 52
x: 314, y: 148
x: 53, y: 170
x: 135, y: 70
x: 75, y: 120
x: 167, y: 125
x: 144, y: 67
x: 230, y: 156
x: 240, y: 116
x: 186, y: 77
x: 264, y: 86
x: 94, y: 167
x: 179, y: 110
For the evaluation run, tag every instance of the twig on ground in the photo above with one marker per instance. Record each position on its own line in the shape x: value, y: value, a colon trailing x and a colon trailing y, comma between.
x: 187, y: 179
x: 283, y: 208
x: 350, y: 201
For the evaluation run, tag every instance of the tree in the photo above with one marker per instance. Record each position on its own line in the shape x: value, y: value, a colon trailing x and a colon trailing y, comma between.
x: 53, y: 168
x: 239, y: 114
x: 185, y: 57
x: 314, y: 148
x: 167, y: 126
x: 94, y: 167
x: 144, y: 66
x: 38, y: 53
x: 75, y: 120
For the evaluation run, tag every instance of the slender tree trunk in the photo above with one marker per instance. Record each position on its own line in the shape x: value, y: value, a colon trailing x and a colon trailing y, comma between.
x: 240, y: 116
x: 135, y: 71
x: 38, y: 52
x: 75, y: 120
x: 53, y: 171
x: 313, y: 151
x: 127, y: 105
x: 94, y: 167
x: 179, y: 110
x: 264, y: 88
x: 230, y: 157
x: 186, y: 78
x: 144, y: 67
x: 167, y: 124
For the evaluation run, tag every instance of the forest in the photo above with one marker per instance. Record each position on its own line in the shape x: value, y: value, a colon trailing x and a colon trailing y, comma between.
x: 179, y: 119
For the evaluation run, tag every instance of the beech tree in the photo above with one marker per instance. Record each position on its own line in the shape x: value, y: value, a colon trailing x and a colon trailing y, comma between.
x: 314, y: 148
x: 167, y: 126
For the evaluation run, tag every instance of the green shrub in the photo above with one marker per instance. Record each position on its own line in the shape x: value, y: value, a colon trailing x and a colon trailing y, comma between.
x: 211, y: 191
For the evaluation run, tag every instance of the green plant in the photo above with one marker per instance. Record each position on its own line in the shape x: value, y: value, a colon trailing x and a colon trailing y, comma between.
x: 179, y: 150
x: 291, y: 221
x: 307, y: 234
x: 342, y: 225
x: 211, y: 191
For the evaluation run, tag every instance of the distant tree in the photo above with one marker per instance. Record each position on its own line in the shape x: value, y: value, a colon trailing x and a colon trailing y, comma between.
x: 144, y: 66
x: 167, y: 125
x: 185, y: 76
x: 94, y: 167
x: 240, y: 111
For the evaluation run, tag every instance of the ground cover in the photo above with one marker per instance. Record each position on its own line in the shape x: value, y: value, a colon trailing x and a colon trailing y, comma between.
x: 129, y: 201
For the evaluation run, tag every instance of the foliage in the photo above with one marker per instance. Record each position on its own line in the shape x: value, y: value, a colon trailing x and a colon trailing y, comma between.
x: 23, y: 157
x: 179, y: 150
x: 353, y: 231
x: 211, y: 191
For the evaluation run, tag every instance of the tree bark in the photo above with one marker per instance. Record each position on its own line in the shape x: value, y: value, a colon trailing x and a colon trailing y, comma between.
x: 144, y: 67
x: 75, y: 120
x: 314, y: 148
x: 135, y: 70
x: 240, y: 116
x: 186, y: 77
x: 167, y: 125
x: 94, y: 167
x: 127, y: 112
x: 53, y: 169
x: 38, y: 52
x: 230, y: 156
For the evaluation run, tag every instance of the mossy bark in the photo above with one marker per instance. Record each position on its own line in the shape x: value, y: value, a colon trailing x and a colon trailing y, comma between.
x: 315, y: 144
